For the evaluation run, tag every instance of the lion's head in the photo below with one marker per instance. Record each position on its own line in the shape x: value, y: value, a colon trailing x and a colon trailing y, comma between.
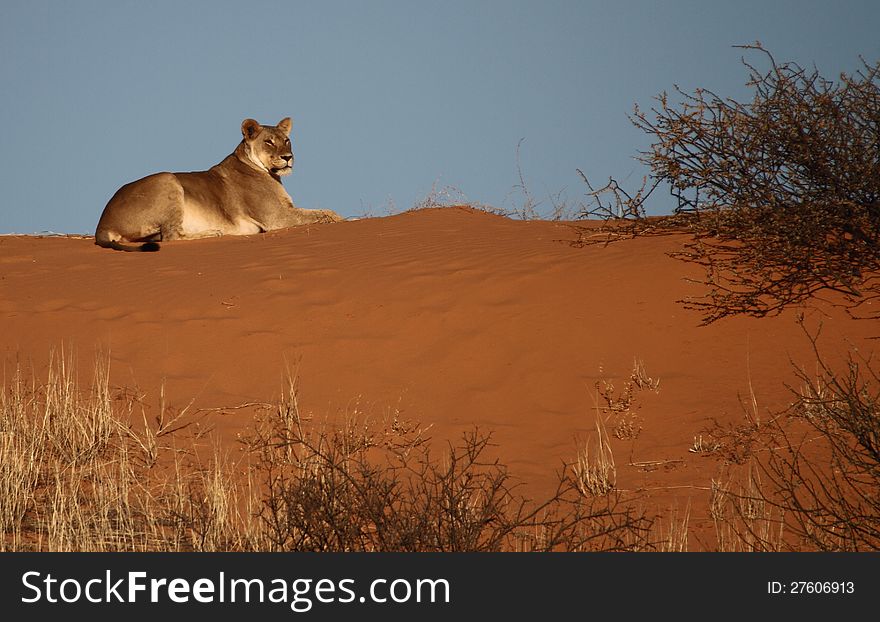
x: 268, y: 146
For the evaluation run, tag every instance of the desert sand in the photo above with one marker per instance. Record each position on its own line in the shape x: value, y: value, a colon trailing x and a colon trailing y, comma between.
x: 453, y: 316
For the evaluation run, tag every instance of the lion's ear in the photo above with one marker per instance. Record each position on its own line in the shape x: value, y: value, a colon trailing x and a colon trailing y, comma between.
x: 285, y: 124
x: 249, y: 128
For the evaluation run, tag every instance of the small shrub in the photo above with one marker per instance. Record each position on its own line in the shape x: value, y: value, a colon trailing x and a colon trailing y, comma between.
x: 813, y: 471
x: 781, y: 195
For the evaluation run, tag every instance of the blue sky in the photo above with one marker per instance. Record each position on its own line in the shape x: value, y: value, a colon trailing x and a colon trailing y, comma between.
x: 389, y: 99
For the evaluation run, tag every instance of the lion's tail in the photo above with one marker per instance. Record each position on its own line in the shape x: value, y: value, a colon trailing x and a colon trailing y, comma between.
x: 146, y: 247
x: 105, y: 240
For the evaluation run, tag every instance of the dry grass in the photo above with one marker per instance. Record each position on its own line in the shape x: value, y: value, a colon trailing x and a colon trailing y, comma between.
x: 78, y: 473
x: 81, y: 470
x: 672, y: 534
x: 703, y: 446
x: 87, y: 470
x: 621, y: 408
x: 743, y: 519
x: 806, y: 478
x: 594, y: 471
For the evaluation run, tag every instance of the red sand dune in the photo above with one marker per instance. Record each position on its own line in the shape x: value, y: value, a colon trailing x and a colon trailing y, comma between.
x: 457, y: 317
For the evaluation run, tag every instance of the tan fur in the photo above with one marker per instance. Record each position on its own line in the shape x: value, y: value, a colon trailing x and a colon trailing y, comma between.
x: 240, y: 196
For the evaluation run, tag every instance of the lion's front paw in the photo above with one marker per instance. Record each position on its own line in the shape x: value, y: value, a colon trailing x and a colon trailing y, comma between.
x: 330, y: 216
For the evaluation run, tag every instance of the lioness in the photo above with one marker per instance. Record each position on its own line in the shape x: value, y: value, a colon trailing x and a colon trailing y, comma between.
x: 241, y: 195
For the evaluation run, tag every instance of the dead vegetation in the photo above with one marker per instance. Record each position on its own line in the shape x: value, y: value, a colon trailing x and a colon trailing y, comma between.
x: 780, y: 195
x: 85, y: 470
x: 807, y: 478
x: 90, y: 470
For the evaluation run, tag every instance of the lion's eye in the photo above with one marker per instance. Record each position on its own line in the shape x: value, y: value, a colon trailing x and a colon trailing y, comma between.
x: 269, y: 142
